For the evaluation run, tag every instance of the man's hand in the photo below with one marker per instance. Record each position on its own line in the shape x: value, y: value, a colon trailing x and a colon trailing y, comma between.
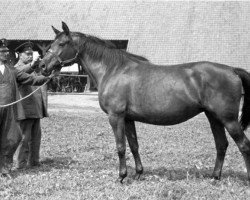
x: 35, y: 62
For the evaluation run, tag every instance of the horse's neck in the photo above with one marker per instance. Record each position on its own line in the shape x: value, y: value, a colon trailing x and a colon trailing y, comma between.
x: 95, y: 69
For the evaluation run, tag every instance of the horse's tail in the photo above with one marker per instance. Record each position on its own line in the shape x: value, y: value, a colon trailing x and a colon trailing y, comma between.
x: 245, y: 79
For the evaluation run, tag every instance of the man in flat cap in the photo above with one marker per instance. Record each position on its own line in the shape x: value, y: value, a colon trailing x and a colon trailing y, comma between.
x: 10, y: 132
x: 35, y: 108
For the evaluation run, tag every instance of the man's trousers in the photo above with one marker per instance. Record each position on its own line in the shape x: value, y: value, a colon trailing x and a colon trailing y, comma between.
x: 29, y: 147
x: 10, y: 136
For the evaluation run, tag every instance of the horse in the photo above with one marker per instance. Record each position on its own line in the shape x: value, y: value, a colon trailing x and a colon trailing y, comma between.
x: 131, y: 88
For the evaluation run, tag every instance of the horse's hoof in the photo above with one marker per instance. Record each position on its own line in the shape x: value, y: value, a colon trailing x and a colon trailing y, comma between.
x: 138, y: 176
x: 217, y: 178
x: 120, y: 180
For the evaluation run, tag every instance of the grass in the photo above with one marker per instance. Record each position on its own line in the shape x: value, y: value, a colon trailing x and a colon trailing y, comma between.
x: 80, y: 162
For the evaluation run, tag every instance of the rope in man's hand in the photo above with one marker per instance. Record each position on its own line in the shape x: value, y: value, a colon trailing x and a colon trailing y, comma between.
x: 15, y: 102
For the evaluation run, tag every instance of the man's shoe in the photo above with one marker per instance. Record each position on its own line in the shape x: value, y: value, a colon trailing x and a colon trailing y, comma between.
x: 20, y: 167
x: 34, y: 164
x: 4, y: 175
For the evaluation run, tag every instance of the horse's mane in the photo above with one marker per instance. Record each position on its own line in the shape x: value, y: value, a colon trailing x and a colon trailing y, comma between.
x: 106, y: 51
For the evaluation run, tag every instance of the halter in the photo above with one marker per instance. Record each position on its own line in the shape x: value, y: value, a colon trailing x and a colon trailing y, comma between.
x: 64, y: 62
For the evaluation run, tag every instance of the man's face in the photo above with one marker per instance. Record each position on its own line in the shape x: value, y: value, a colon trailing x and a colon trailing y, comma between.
x: 26, y: 56
x: 4, y: 53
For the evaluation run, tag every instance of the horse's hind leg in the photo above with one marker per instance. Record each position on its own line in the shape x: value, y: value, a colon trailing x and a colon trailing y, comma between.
x: 221, y: 144
x: 118, y: 125
x: 241, y: 140
x: 130, y: 132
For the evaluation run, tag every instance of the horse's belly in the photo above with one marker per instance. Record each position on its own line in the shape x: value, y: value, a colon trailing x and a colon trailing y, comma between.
x: 165, y: 116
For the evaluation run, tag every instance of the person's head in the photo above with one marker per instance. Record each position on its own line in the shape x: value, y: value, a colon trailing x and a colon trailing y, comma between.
x: 25, y: 52
x: 4, y: 51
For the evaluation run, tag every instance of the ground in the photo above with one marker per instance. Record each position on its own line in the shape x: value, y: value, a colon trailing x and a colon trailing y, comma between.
x: 74, y: 103
x: 80, y: 160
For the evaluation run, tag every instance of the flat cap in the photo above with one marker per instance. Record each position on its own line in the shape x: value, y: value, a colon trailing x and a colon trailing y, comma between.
x: 3, y: 45
x: 24, y: 47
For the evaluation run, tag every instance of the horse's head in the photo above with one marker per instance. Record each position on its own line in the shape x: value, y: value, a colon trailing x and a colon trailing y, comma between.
x: 62, y: 51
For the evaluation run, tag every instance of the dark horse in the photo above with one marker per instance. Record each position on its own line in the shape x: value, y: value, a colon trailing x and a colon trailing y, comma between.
x: 130, y: 89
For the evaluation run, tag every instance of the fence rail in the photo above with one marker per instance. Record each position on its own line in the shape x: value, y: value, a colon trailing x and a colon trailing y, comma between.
x: 73, y: 75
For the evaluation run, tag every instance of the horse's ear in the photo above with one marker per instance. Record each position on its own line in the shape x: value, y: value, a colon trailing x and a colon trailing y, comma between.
x: 65, y: 28
x: 55, y: 30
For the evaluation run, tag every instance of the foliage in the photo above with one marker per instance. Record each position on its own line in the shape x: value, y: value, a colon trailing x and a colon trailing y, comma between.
x: 80, y: 162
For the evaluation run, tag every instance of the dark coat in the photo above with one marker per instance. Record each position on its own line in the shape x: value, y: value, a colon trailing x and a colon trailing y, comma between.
x: 10, y: 133
x: 34, y: 106
x: 15, y: 78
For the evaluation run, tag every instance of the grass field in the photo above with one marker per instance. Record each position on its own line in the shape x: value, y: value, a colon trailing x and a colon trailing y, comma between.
x: 80, y: 161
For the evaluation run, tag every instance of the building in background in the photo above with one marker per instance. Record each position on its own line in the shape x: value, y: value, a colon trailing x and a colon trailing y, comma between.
x: 166, y: 32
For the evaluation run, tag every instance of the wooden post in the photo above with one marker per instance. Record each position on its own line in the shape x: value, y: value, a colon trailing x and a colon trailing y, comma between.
x: 87, y: 87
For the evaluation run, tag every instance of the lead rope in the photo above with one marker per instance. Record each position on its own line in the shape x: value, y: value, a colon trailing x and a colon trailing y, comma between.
x: 10, y: 104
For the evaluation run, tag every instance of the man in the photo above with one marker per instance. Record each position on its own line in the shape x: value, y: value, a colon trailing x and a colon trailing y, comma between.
x: 10, y: 133
x: 35, y: 108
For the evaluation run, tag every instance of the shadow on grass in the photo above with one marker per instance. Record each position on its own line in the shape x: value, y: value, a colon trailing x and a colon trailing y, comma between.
x: 47, y: 165
x: 192, y: 173
x: 58, y: 162
x: 150, y: 174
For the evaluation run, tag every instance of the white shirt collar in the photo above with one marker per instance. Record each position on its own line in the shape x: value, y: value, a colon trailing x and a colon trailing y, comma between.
x: 2, y: 68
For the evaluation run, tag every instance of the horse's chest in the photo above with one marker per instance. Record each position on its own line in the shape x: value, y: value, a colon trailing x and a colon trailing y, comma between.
x: 111, y: 103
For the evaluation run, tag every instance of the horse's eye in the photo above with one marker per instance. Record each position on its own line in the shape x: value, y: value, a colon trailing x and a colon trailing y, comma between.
x: 61, y: 44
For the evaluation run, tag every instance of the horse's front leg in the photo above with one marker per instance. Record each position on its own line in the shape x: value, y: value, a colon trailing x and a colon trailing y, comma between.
x: 118, y: 125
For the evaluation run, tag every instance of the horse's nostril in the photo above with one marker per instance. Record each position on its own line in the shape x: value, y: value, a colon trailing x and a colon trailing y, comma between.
x: 42, y: 65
